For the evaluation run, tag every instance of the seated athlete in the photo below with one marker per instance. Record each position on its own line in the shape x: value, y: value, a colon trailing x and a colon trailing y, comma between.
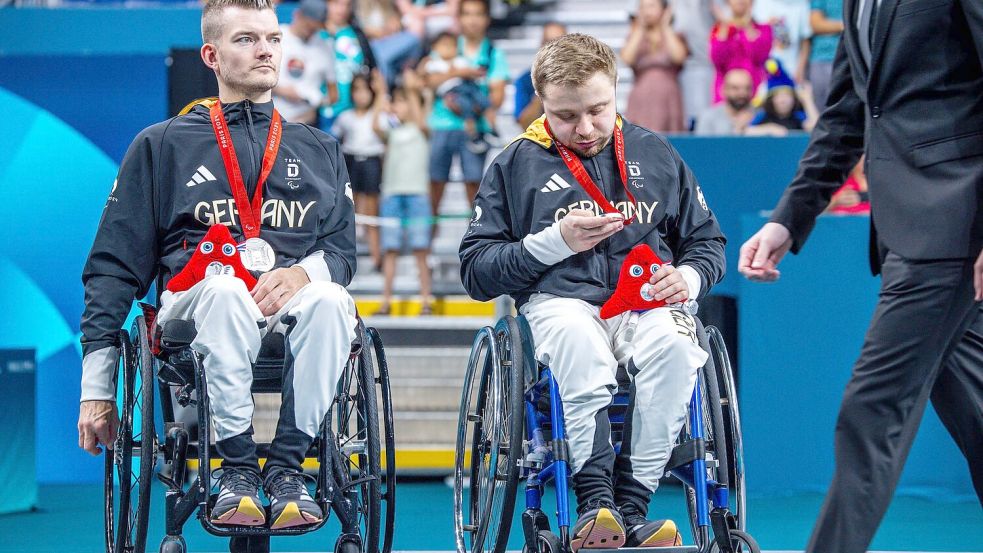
x: 282, y: 190
x: 539, y: 235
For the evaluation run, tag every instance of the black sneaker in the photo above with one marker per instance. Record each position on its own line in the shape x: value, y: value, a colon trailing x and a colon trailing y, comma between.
x: 646, y: 533
x: 599, y: 527
x: 238, y: 499
x: 290, y: 502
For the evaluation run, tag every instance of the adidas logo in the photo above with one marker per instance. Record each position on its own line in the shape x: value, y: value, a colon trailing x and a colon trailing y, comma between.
x: 555, y: 183
x: 200, y: 176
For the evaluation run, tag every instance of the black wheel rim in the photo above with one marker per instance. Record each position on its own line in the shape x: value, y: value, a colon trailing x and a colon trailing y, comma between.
x: 389, y: 493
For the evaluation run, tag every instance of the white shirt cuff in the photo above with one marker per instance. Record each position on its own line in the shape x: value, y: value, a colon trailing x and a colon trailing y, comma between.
x: 693, y: 280
x: 98, y: 368
x: 548, y: 245
x: 316, y: 267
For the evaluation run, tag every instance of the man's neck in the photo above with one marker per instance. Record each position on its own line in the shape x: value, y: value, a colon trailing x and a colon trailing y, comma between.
x: 228, y: 95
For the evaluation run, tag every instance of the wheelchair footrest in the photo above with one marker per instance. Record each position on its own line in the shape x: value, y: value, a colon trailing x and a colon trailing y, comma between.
x: 673, y: 549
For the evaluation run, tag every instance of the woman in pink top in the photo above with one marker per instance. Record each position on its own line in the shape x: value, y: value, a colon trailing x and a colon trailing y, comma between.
x: 740, y: 43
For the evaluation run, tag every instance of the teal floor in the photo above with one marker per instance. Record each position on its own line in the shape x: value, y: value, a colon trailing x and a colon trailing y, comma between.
x: 69, y: 520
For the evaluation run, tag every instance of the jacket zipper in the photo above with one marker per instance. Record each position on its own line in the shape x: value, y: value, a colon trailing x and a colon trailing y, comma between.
x: 252, y: 139
x: 604, y: 244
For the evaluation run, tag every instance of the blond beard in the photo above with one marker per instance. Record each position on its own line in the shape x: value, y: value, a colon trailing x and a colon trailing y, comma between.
x: 594, y: 150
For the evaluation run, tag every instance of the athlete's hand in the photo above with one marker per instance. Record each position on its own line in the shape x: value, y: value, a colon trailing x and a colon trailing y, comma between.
x: 669, y: 285
x: 582, y: 230
x: 761, y: 253
x: 978, y: 277
x: 274, y: 289
x: 98, y: 423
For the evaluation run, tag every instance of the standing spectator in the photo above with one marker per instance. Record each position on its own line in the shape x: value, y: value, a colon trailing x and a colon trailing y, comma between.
x: 308, y: 65
x: 655, y: 54
x: 790, y: 31
x: 528, y: 106
x: 463, y: 96
x: 363, y: 151
x: 693, y: 19
x: 826, y: 20
x: 393, y: 46
x: 428, y: 18
x: 352, y: 56
x: 739, y: 43
x: 448, y: 137
x: 405, y: 180
x: 732, y: 116
x: 784, y: 108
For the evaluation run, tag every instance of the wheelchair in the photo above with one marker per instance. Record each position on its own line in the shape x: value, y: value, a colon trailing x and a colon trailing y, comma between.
x: 350, y: 479
x: 511, y: 427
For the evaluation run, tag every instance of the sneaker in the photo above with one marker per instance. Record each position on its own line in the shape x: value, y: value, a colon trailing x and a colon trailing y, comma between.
x: 238, y: 499
x: 599, y: 527
x: 477, y: 145
x: 290, y: 502
x: 645, y: 533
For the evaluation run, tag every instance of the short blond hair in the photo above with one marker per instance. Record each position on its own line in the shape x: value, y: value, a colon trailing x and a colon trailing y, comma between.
x: 572, y: 60
x: 211, y: 12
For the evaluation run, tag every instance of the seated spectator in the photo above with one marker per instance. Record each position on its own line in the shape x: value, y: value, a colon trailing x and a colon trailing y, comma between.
x: 363, y: 151
x: 852, y: 198
x: 655, y: 53
x: 461, y: 95
x: 784, y: 108
x: 528, y: 106
x: 307, y: 66
x: 732, y: 116
x: 394, y: 47
x: 405, y: 187
x: 739, y: 43
x: 352, y: 56
x: 790, y: 31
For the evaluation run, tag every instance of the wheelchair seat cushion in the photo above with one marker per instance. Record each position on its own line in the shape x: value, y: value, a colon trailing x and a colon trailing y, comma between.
x: 178, y: 333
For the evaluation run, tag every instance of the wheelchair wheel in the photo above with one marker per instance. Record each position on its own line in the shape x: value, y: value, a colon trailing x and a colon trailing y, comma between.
x: 389, y: 438
x: 130, y: 464
x: 740, y: 542
x: 546, y: 542
x: 733, y: 436
x: 357, y: 441
x: 489, y: 439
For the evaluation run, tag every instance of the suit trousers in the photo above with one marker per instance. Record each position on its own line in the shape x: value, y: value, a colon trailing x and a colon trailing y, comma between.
x: 924, y: 342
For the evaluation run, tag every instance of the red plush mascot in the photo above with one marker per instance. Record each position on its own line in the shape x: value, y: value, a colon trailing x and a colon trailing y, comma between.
x: 634, y: 293
x: 215, y: 255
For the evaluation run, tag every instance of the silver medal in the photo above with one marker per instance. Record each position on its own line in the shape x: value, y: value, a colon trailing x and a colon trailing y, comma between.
x: 257, y: 255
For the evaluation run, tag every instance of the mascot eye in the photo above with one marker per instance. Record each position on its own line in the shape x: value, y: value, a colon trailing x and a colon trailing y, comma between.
x: 654, y: 268
x: 228, y: 249
x: 635, y: 271
x: 207, y: 247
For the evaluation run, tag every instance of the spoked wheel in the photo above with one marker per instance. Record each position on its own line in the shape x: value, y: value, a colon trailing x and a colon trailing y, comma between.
x: 357, y: 440
x: 130, y: 464
x: 714, y: 436
x: 389, y: 441
x: 741, y: 542
x: 546, y: 542
x: 731, y: 415
x: 489, y: 439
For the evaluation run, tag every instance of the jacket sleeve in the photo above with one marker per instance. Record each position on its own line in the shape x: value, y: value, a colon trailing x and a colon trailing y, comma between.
x: 835, y: 147
x: 332, y: 258
x: 494, y: 260
x: 121, y: 266
x: 694, y: 235
x: 974, y: 17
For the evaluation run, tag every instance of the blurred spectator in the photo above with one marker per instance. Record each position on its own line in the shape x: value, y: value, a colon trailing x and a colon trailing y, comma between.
x: 852, y: 197
x: 394, y: 47
x: 448, y: 137
x: 460, y: 95
x: 307, y: 66
x: 739, y: 43
x: 693, y: 19
x: 352, y: 56
x: 734, y: 114
x: 528, y: 106
x: 790, y: 31
x: 363, y: 150
x: 784, y: 108
x: 655, y: 54
x: 827, y: 26
x: 428, y: 18
x: 405, y: 183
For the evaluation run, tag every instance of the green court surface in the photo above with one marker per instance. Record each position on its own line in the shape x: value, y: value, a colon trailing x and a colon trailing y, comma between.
x: 70, y: 520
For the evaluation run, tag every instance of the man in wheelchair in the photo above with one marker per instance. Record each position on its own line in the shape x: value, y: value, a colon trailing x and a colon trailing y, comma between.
x: 557, y: 249
x: 283, y: 191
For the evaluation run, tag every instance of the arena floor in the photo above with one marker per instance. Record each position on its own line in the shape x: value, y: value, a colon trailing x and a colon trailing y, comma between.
x: 69, y: 520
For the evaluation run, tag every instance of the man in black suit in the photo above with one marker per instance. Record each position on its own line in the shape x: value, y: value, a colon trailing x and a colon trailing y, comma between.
x: 907, y: 90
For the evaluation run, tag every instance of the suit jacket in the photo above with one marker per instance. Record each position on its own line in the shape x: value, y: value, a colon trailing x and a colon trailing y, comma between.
x: 917, y: 112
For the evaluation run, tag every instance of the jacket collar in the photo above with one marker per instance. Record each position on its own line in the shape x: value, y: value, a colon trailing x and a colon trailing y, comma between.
x: 536, y: 132
x: 234, y: 111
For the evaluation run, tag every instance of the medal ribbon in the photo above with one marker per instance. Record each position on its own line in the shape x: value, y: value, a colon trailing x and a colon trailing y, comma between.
x: 249, y: 212
x: 580, y: 173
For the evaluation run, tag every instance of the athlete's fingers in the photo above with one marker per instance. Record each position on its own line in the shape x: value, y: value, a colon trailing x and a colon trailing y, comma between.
x: 89, y: 442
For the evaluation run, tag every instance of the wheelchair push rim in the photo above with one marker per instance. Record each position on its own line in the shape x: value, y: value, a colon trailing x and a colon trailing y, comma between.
x: 127, y: 481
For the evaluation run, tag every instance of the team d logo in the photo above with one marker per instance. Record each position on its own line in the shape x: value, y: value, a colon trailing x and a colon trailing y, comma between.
x: 293, y: 172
